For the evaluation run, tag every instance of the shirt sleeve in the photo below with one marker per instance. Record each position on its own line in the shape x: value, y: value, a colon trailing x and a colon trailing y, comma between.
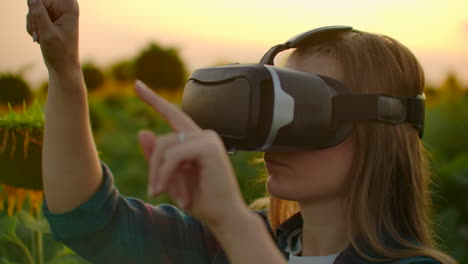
x: 110, y: 228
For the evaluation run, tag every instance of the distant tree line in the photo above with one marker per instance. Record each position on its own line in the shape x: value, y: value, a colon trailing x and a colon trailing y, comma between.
x: 161, y: 68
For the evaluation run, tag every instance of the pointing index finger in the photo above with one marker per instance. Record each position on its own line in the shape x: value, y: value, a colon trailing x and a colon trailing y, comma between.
x: 177, y: 119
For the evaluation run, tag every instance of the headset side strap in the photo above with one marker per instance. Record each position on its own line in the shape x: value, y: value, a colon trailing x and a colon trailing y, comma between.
x: 379, y: 108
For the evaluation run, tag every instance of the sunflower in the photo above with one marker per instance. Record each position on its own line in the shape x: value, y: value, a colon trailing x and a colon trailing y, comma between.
x: 20, y: 159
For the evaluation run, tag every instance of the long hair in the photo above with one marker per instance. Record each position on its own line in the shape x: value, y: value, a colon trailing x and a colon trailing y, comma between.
x: 389, y: 180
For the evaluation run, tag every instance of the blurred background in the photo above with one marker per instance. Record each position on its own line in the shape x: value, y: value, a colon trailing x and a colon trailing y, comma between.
x: 161, y: 42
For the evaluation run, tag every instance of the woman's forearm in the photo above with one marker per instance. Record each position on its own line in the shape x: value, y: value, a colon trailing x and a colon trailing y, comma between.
x: 245, y: 239
x: 70, y: 165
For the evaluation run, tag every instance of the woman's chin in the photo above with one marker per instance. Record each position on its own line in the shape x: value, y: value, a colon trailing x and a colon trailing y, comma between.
x: 276, y: 188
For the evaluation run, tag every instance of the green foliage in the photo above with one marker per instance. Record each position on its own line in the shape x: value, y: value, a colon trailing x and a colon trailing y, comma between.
x: 446, y: 128
x: 451, y: 200
x: 14, y: 90
x: 249, y: 175
x: 7, y: 227
x: 42, y: 91
x: 33, y: 224
x: 24, y: 239
x: 93, y: 76
x: 31, y: 117
x: 446, y: 137
x: 161, y: 68
x: 123, y: 71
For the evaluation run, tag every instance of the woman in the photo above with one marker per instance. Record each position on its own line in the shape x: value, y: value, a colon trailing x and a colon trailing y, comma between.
x: 363, y: 201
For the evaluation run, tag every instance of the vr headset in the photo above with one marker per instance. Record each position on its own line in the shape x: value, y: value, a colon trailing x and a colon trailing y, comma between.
x: 260, y: 107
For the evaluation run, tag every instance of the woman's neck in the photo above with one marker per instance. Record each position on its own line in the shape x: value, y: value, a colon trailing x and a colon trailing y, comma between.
x: 324, y: 227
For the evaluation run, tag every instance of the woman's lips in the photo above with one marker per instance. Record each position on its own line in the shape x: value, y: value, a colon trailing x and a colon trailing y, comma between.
x: 270, y: 162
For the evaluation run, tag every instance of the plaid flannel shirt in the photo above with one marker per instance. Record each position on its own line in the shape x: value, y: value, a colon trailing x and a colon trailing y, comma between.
x: 111, y: 228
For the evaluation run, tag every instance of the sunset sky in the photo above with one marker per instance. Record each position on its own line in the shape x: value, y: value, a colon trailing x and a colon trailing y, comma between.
x: 209, y: 31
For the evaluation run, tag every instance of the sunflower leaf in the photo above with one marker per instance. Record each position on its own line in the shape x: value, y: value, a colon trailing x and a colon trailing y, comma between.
x: 34, y: 224
x: 4, y: 260
x: 8, y: 227
x: 33, y: 117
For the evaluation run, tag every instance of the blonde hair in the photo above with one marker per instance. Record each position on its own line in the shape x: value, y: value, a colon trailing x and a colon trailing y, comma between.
x: 390, y: 179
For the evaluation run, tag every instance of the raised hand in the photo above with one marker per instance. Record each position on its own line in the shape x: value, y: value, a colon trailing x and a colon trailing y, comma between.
x: 195, y: 172
x: 54, y: 25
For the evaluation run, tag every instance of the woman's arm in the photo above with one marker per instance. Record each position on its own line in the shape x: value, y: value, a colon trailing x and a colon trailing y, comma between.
x: 111, y: 228
x: 70, y: 164
x: 71, y: 169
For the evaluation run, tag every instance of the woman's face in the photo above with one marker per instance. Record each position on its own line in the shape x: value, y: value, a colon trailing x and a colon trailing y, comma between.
x: 308, y: 176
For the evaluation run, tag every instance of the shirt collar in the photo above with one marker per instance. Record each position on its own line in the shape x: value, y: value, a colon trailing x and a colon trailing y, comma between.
x: 288, y: 229
x: 290, y: 225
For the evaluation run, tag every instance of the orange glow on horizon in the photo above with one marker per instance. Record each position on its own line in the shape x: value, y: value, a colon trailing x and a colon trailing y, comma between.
x: 207, y: 31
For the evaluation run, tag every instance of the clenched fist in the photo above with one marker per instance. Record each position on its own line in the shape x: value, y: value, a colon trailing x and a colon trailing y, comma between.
x: 54, y: 25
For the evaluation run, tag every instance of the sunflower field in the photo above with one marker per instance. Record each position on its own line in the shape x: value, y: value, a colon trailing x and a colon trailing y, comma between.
x: 116, y: 116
